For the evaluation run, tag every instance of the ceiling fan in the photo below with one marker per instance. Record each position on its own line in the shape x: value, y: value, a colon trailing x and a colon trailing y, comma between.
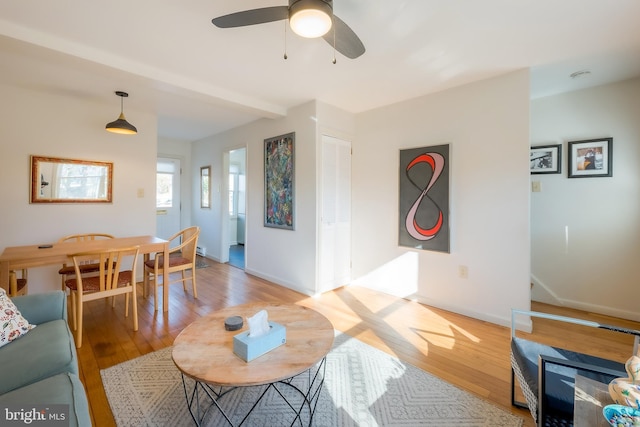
x: 307, y: 18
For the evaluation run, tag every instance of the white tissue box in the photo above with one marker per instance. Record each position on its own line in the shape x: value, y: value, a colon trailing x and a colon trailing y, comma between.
x: 248, y: 348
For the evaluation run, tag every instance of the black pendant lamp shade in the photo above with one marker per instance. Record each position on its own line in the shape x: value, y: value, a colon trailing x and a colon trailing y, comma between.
x: 121, y: 125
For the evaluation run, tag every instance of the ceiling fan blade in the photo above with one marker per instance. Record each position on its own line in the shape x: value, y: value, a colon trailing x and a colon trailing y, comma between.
x: 252, y: 17
x: 346, y: 41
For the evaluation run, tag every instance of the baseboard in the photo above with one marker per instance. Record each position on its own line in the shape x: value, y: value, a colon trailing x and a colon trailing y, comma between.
x: 213, y: 258
x: 601, y: 309
x: 498, y: 320
x: 551, y: 298
x: 278, y: 281
x: 542, y: 293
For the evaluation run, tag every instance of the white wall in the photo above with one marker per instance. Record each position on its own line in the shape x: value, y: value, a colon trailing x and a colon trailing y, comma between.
x: 38, y: 123
x: 282, y: 256
x: 595, y: 268
x: 487, y: 127
x: 486, y: 124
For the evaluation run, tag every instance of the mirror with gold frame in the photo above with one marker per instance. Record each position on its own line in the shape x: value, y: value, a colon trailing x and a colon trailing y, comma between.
x: 56, y: 180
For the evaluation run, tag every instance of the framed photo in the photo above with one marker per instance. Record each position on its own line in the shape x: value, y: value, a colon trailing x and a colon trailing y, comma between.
x: 545, y: 159
x: 279, y: 197
x: 591, y: 158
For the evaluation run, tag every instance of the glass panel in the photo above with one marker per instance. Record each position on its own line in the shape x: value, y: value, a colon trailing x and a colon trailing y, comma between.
x: 205, y: 187
x: 233, y: 192
x: 164, y: 190
x: 241, y: 196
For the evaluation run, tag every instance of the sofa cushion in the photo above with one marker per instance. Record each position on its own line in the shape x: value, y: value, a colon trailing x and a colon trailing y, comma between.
x: 12, y: 324
x: 42, y: 308
x: 45, y: 351
x: 61, y: 389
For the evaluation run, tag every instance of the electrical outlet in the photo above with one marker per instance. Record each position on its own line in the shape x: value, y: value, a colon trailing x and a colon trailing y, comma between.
x: 463, y: 272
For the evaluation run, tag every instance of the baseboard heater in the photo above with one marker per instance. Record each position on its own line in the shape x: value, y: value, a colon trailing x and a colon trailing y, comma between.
x: 201, y: 250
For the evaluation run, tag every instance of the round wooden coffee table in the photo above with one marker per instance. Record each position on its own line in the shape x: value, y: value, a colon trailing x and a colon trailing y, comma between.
x: 203, y: 351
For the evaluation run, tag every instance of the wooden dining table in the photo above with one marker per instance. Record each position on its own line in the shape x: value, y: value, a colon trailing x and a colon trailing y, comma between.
x: 30, y: 256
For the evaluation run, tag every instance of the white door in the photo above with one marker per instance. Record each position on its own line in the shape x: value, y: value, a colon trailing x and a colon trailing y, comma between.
x: 335, y: 232
x: 167, y: 197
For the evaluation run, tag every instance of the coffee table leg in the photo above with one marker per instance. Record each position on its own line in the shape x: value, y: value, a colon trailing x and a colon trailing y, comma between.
x: 193, y: 401
x: 316, y: 394
x: 310, y: 396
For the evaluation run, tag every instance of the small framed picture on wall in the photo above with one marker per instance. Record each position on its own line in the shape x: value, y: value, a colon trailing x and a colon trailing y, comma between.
x: 591, y: 158
x: 545, y: 159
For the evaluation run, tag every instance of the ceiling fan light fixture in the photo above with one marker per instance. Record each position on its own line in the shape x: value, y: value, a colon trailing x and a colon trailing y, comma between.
x: 310, y: 18
x: 121, y: 125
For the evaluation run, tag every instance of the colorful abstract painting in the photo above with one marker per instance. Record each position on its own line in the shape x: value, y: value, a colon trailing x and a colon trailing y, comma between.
x: 424, y: 198
x: 279, y: 200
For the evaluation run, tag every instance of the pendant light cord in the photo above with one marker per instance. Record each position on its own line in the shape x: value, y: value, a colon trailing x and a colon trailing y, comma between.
x: 334, y: 41
x: 285, y: 38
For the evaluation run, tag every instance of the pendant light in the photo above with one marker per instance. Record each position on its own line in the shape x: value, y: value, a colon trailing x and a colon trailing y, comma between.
x: 121, y: 125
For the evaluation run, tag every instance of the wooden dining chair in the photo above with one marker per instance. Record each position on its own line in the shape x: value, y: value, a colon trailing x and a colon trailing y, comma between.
x: 18, y: 285
x: 89, y: 266
x: 113, y: 278
x: 181, y: 258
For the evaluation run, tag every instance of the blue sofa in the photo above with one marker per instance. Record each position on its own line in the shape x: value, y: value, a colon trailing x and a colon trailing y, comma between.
x: 41, y: 367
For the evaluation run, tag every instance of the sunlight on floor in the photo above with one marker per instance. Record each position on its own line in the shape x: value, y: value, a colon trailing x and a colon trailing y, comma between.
x: 383, y: 294
x: 415, y: 323
x: 410, y: 324
x: 367, y: 389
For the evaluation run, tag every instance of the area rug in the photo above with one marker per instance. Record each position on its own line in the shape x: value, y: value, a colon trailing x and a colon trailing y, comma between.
x: 200, y: 263
x: 364, y: 387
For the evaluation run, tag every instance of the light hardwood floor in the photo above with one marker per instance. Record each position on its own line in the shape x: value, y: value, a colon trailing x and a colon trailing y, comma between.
x: 472, y: 354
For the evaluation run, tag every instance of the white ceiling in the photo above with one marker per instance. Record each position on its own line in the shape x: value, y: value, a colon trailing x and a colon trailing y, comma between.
x: 202, y: 80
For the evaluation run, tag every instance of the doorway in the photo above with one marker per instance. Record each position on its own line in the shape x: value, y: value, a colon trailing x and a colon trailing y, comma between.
x: 237, y: 184
x: 168, y: 200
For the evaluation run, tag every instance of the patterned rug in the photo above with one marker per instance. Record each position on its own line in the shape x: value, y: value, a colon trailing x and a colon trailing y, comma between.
x: 363, y: 387
x: 201, y: 263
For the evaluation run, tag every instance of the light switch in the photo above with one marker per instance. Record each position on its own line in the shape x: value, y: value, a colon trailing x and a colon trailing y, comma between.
x: 463, y: 271
x: 535, y: 186
x: 140, y: 193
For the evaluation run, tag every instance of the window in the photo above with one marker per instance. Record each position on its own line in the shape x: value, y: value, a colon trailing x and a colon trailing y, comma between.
x: 237, y: 183
x: 233, y: 191
x: 205, y: 187
x: 164, y: 185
